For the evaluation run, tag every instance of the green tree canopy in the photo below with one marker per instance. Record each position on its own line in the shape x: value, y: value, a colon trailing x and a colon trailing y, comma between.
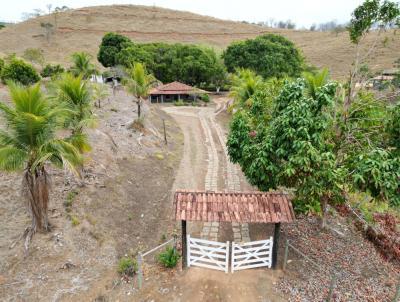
x: 19, y: 71
x: 303, y: 137
x: 268, y: 55
x: 191, y: 64
x: 373, y: 13
x: 110, y: 46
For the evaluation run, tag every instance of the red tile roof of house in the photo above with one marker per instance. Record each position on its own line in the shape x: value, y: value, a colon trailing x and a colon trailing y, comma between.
x: 176, y: 88
x: 242, y: 207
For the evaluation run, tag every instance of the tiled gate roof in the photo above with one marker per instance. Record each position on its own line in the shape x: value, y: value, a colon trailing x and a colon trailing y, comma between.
x: 250, y: 207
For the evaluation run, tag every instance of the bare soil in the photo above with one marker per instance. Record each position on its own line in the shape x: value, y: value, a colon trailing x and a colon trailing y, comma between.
x: 82, y: 30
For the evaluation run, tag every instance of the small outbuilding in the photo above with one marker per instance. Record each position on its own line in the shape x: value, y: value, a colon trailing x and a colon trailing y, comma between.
x: 174, y: 91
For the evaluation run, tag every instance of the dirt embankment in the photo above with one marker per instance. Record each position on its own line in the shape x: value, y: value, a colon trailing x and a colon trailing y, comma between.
x: 124, y: 206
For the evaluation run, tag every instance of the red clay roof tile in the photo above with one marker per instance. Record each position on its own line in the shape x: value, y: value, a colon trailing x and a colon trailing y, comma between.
x: 255, y: 207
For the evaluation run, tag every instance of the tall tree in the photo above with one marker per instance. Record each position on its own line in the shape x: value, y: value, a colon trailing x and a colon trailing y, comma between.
x: 29, y: 143
x: 284, y: 141
x: 139, y: 84
x: 370, y: 14
x: 268, y: 55
x: 82, y: 65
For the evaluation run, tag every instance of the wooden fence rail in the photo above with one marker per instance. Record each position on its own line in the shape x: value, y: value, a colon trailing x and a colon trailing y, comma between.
x: 140, y: 259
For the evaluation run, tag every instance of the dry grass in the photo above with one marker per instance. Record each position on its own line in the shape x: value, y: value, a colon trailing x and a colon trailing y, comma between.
x: 82, y: 29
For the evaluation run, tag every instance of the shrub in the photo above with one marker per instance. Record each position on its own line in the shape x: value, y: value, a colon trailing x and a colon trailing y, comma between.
x: 169, y: 258
x: 51, y: 70
x: 127, y: 266
x: 1, y: 65
x: 179, y: 103
x: 19, y: 71
x: 69, y: 200
x: 75, y: 221
x: 205, y: 98
x: 268, y: 55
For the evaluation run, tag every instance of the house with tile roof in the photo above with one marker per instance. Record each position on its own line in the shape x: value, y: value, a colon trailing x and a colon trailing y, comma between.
x: 174, y: 91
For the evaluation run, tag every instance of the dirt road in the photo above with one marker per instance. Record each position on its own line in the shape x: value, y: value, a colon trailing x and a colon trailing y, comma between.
x: 205, y: 165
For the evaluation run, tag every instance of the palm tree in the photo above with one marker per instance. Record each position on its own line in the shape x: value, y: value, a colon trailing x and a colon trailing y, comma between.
x: 73, y: 94
x: 100, y: 92
x: 29, y: 143
x: 140, y: 83
x: 244, y: 84
x: 315, y: 81
x: 82, y: 65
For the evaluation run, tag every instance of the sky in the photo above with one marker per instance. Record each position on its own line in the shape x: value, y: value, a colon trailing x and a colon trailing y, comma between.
x: 303, y: 12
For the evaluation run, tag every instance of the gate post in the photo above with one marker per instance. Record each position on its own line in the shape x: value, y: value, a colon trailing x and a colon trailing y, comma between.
x: 233, y: 255
x: 140, y: 269
x: 275, y: 246
x: 286, y: 254
x: 227, y: 258
x: 184, y: 245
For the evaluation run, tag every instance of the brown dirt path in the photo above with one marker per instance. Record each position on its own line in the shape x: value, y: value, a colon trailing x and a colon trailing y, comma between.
x: 203, y: 137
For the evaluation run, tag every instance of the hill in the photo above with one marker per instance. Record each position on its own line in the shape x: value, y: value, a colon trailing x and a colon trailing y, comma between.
x: 82, y: 29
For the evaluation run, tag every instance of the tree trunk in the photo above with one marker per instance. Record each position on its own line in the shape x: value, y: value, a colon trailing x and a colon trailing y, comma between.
x: 324, y: 206
x: 35, y: 187
x: 139, y: 107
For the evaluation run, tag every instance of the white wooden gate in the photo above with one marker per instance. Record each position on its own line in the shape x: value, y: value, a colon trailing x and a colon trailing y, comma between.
x: 251, y: 254
x: 208, y: 254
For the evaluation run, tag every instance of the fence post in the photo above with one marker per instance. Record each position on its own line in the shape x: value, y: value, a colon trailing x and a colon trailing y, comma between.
x: 331, y: 287
x: 140, y: 270
x: 397, y: 296
x: 165, y: 133
x: 175, y: 240
x: 285, y: 256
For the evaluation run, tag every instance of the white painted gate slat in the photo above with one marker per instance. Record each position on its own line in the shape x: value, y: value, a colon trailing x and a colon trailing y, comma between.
x: 252, y: 249
x: 259, y: 242
x: 207, y: 254
x: 196, y: 240
x: 239, y: 257
x: 251, y: 255
x: 220, y: 256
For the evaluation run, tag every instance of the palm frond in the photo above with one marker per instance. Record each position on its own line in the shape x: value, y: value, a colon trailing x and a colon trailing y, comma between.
x: 315, y: 81
x: 140, y: 81
x: 12, y: 158
x: 80, y: 141
x: 63, y: 154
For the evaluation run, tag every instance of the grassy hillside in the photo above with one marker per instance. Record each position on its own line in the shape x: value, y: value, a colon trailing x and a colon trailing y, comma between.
x: 82, y: 29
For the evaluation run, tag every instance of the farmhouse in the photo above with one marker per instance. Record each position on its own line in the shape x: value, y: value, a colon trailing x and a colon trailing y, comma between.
x: 174, y: 91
